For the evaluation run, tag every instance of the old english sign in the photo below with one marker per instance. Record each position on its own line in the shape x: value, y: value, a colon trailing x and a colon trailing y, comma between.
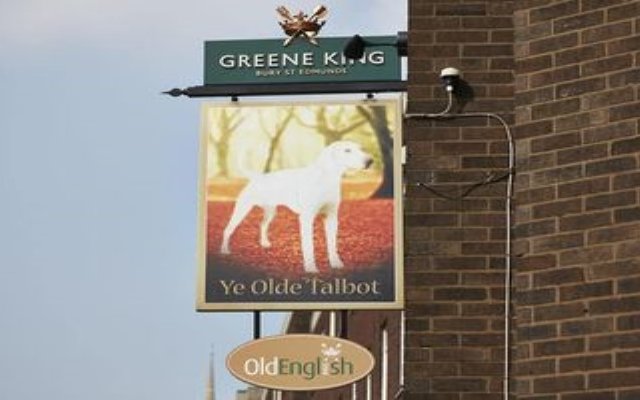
x: 300, y: 362
x: 234, y: 62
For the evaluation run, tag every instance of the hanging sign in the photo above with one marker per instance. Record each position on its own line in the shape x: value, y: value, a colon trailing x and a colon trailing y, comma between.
x: 300, y: 206
x: 300, y: 362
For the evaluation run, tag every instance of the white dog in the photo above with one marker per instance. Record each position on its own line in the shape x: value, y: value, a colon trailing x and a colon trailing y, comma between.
x: 308, y: 192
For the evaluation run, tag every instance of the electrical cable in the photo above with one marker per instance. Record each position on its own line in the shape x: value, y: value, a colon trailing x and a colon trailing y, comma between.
x: 508, y: 217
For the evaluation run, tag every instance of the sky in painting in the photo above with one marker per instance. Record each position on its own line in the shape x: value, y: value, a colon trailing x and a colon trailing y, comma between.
x: 98, y: 187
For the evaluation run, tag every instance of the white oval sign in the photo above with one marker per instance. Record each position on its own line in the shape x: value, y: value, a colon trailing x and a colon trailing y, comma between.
x: 300, y: 362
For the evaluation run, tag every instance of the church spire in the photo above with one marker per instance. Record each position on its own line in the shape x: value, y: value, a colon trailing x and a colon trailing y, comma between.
x: 211, y: 393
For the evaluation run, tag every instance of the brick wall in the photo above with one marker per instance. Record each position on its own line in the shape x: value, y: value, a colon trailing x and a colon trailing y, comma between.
x: 578, y: 214
x: 455, y: 248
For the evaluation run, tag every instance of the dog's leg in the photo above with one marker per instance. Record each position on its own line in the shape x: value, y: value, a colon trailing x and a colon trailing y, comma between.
x: 240, y: 211
x: 331, y: 233
x: 269, y: 213
x: 306, y: 238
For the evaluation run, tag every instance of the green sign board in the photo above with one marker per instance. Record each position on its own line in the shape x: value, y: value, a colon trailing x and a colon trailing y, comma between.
x: 230, y: 62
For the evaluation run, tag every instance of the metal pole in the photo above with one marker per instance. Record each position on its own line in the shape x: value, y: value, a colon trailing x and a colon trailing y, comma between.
x: 256, y: 325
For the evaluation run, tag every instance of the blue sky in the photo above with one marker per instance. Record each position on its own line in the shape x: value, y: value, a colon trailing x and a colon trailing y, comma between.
x: 98, y: 187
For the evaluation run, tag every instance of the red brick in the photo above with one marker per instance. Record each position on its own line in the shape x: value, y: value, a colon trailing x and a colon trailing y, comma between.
x: 623, y: 11
x: 459, y: 385
x: 586, y: 256
x: 611, y: 166
x: 608, y: 132
x: 558, y: 347
x: 586, y: 327
x: 610, y: 200
x: 625, y: 146
x: 458, y: 354
x: 615, y: 379
x: 608, y: 98
x: 460, y: 324
x: 583, y: 153
x: 562, y: 174
x: 554, y: 11
x: 461, y: 36
x: 606, y: 32
x: 586, y: 363
x: 579, y: 121
x: 537, y: 367
x: 558, y: 242
x: 577, y: 22
x: 535, y: 297
x: 624, y: 45
x: 628, y: 359
x: 628, y: 250
x: 481, y: 339
x: 555, y: 108
x: 616, y: 269
x: 537, y: 332
x: 432, y: 278
x: 558, y: 277
x: 628, y: 322
x: 590, y: 395
x: 610, y: 342
x: 587, y: 290
x: 502, y: 36
x: 625, y: 78
x: 554, y: 76
x: 558, y: 384
x: 608, y: 64
x: 629, y: 395
x: 532, y: 196
x: 460, y: 148
x: 533, y: 64
x: 533, y: 129
x: 432, y: 220
x: 558, y: 312
x: 614, y: 234
x: 485, y: 50
x: 535, y: 228
x: 584, y: 187
x: 553, y: 43
x: 533, y: 31
x: 579, y: 54
x: 459, y: 263
x: 557, y: 208
x: 461, y: 9
x: 431, y: 309
x: 536, y: 262
x: 535, y: 96
x: 615, y: 305
x: 460, y: 294
x: 487, y: 22
x: 626, y: 181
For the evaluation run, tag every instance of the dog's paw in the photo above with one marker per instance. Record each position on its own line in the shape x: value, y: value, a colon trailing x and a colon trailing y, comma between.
x: 225, y: 250
x: 336, y: 264
x: 311, y: 267
x: 265, y: 244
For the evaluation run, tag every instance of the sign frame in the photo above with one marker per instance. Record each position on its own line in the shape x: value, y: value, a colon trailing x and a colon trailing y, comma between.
x: 396, y: 303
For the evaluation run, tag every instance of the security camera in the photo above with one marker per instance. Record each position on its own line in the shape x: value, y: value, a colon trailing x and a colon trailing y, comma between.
x: 450, y: 76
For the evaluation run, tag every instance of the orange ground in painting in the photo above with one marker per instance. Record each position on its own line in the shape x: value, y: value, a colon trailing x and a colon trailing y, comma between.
x: 365, y: 238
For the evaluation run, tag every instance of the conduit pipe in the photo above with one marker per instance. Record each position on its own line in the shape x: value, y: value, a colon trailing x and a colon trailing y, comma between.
x: 445, y: 114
